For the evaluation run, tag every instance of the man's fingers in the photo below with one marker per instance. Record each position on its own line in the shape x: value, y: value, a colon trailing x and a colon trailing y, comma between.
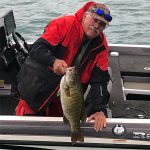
x: 90, y: 118
x: 105, y: 123
x: 60, y: 66
x: 99, y: 126
x: 99, y: 121
x: 65, y: 64
x: 96, y: 126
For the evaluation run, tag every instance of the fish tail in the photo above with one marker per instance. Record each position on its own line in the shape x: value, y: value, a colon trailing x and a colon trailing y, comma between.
x: 77, y: 136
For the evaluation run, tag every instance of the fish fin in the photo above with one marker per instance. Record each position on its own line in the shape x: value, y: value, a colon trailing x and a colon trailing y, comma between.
x: 83, y: 119
x: 65, y: 120
x: 77, y: 137
x: 58, y: 93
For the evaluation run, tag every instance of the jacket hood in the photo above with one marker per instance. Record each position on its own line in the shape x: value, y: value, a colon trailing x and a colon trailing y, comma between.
x: 82, y: 10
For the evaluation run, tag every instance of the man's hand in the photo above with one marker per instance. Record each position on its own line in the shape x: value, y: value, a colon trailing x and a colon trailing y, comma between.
x: 60, y: 66
x: 99, y: 120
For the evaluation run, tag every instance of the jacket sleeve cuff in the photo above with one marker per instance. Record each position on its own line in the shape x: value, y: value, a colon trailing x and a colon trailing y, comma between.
x: 98, y: 108
x: 52, y: 60
x: 101, y: 109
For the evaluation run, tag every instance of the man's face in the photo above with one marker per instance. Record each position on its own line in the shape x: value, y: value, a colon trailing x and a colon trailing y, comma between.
x: 92, y: 27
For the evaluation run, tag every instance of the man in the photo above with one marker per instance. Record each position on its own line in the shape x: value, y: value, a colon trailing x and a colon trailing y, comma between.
x: 68, y: 40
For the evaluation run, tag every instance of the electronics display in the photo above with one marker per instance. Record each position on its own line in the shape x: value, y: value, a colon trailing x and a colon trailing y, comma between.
x: 7, y: 26
x: 9, y: 22
x: 3, y: 40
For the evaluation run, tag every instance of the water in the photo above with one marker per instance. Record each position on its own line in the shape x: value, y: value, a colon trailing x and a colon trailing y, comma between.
x: 130, y: 25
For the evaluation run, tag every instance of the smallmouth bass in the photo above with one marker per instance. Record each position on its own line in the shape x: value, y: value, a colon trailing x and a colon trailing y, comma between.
x: 72, y: 101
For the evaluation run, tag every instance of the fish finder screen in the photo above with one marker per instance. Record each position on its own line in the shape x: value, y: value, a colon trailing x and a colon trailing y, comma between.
x: 3, y: 40
x: 7, y: 26
x: 9, y: 23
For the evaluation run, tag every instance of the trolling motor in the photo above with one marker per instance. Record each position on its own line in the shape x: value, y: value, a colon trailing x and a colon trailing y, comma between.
x: 13, y: 47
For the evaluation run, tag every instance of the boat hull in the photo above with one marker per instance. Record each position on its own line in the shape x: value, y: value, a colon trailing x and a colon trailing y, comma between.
x: 52, y: 131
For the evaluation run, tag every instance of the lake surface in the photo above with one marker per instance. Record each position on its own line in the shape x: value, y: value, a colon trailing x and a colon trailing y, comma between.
x: 130, y: 25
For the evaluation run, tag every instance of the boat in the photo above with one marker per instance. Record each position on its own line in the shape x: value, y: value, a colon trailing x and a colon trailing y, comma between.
x: 128, y: 122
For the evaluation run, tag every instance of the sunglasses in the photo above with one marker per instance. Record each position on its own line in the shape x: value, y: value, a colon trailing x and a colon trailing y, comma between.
x: 101, y: 23
x: 100, y: 12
